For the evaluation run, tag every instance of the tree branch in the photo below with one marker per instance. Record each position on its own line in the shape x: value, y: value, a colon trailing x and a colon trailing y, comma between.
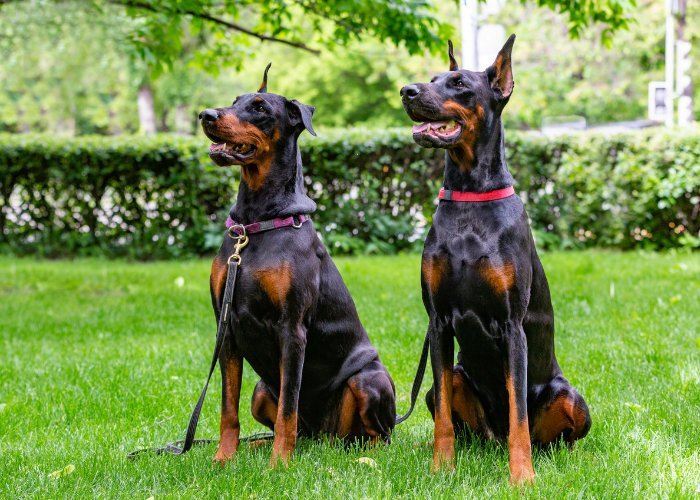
x: 208, y: 17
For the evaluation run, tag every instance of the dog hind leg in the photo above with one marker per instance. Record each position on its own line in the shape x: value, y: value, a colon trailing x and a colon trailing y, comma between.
x: 264, y: 405
x: 560, y: 413
x: 375, y: 403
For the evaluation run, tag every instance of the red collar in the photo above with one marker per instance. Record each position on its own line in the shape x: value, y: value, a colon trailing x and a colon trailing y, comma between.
x: 498, y: 194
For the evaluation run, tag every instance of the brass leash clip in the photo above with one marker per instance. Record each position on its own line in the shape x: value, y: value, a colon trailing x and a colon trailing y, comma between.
x: 241, y: 242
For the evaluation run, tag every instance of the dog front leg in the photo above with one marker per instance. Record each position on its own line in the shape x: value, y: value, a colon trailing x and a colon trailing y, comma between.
x: 519, y: 448
x: 442, y: 360
x: 293, y: 346
x: 231, y: 364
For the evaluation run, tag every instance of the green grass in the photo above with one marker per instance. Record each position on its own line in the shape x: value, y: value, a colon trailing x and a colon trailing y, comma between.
x: 98, y: 358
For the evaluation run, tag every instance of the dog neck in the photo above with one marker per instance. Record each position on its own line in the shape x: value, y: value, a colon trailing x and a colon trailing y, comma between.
x: 280, y: 194
x: 486, y: 170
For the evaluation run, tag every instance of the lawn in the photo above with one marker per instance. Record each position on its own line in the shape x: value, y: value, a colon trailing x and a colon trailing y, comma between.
x: 98, y: 358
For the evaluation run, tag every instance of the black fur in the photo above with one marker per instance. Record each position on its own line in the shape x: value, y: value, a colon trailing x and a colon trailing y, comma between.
x: 492, y: 294
x: 310, y: 330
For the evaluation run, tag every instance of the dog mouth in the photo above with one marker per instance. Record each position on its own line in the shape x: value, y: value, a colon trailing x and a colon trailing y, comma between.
x: 225, y: 153
x: 437, y: 133
x: 444, y: 130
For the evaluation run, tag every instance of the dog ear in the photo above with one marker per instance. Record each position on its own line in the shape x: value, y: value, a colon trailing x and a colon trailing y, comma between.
x: 500, y: 73
x: 300, y: 114
x: 453, y: 62
x: 263, y: 85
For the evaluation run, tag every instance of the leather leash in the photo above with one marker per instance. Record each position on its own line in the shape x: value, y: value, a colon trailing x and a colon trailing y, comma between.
x: 182, y: 447
x: 417, y: 381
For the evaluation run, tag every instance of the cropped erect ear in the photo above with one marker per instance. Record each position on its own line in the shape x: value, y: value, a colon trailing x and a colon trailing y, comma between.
x: 263, y: 85
x: 450, y: 52
x: 300, y: 114
x: 500, y: 73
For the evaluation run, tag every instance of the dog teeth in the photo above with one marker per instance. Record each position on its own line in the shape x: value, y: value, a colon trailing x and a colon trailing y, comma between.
x: 442, y: 126
x: 239, y: 148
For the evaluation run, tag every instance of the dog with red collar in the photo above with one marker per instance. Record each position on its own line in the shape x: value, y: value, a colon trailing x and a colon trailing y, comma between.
x: 483, y: 283
x: 292, y: 317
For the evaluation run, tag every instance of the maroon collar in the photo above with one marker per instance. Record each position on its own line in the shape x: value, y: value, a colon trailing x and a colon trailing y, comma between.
x: 266, y: 225
x: 497, y: 194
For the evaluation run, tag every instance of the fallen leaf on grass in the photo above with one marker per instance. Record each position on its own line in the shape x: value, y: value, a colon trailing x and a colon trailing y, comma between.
x: 62, y: 472
x: 367, y: 461
x: 179, y: 282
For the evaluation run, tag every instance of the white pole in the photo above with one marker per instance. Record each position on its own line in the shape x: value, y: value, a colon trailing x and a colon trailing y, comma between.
x: 670, y: 43
x: 468, y: 13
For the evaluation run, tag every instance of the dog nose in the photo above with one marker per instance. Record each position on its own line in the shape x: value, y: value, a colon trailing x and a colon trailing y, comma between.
x: 209, y: 115
x: 410, y: 91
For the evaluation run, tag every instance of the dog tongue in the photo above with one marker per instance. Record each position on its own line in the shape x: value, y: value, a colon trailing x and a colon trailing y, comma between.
x: 418, y: 129
x: 217, y: 146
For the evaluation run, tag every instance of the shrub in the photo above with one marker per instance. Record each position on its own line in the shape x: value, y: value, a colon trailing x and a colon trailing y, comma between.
x: 162, y: 197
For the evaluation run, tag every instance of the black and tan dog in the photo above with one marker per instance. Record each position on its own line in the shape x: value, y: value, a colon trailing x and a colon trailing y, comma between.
x: 293, y: 318
x: 483, y: 282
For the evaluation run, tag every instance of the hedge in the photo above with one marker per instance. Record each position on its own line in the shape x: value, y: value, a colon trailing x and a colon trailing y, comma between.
x: 162, y: 197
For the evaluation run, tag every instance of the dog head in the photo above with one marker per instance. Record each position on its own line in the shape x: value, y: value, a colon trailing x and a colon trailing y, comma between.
x: 454, y: 105
x: 247, y: 132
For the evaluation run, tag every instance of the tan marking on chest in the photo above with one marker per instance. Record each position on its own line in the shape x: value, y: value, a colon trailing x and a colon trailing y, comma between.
x: 500, y: 278
x: 275, y: 282
x: 433, y: 270
x: 217, y: 278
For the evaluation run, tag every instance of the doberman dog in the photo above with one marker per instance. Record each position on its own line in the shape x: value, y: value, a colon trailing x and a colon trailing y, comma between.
x: 293, y: 318
x: 483, y: 283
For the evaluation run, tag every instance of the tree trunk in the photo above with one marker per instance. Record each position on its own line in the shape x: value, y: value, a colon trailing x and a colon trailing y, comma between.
x: 183, y: 120
x: 684, y: 83
x: 147, y: 112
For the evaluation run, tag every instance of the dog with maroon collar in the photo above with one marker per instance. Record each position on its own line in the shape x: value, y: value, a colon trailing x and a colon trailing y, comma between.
x: 292, y: 316
x: 483, y: 283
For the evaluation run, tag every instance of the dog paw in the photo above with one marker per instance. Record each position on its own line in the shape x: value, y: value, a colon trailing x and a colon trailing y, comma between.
x: 523, y: 477
x: 280, y: 460
x: 223, y: 455
x: 442, y: 464
x: 443, y: 455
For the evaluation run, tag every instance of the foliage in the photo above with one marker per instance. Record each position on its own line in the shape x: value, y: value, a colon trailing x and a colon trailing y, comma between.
x: 52, y: 77
x: 308, y: 25
x: 54, y: 81
x: 613, y: 15
x: 582, y: 77
x: 100, y: 358
x: 143, y: 198
x: 375, y: 189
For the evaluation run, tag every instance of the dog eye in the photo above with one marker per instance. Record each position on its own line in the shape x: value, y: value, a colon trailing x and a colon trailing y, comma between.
x: 259, y: 108
x: 458, y: 83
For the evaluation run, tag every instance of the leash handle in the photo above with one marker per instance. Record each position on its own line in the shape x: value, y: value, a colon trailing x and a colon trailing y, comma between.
x: 417, y: 381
